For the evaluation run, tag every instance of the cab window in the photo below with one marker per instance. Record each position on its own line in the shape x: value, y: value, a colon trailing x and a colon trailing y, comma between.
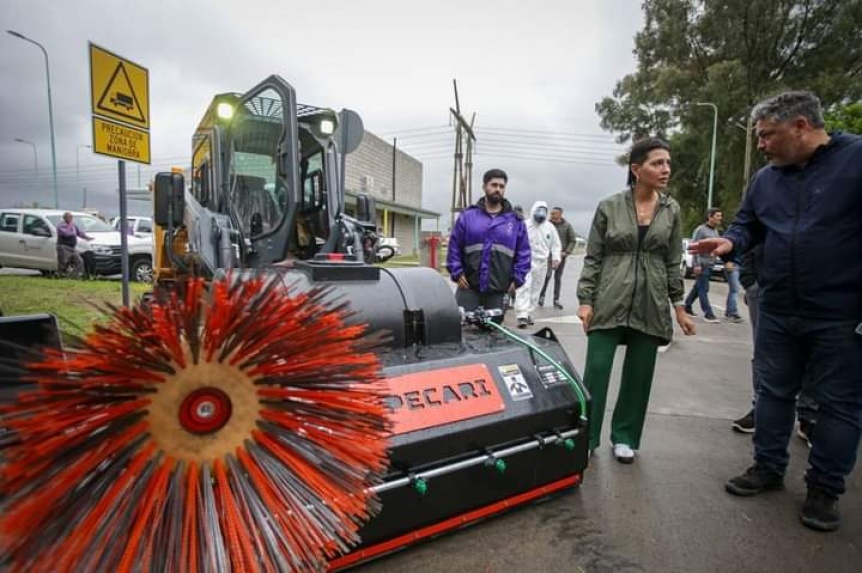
x: 34, y: 225
x: 9, y: 222
x: 313, y: 193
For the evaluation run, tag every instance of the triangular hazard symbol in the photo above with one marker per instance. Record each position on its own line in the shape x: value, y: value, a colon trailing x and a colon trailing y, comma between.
x: 119, y: 96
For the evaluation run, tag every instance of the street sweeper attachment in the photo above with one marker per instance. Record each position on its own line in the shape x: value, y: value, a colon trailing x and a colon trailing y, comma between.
x: 240, y: 428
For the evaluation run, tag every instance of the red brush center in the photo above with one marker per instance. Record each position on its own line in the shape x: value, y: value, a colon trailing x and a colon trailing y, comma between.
x: 205, y: 411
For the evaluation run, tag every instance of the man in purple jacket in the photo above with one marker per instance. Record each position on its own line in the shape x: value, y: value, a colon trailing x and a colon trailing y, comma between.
x: 489, y: 252
x: 67, y: 238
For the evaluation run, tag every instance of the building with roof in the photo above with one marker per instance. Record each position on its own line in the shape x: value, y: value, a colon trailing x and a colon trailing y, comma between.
x: 394, y: 179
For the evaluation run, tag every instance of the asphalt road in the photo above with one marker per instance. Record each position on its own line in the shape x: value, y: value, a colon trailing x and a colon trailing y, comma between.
x: 668, y: 511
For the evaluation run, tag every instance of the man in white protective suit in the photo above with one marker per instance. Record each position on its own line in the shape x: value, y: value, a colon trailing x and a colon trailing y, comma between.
x: 544, y: 245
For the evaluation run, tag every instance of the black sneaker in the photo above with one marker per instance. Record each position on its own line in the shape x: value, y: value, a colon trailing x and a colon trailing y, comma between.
x: 557, y: 305
x: 755, y: 480
x: 710, y: 318
x: 820, y: 510
x: 745, y: 425
x: 804, y: 431
x: 690, y: 311
x: 541, y: 301
x: 522, y: 322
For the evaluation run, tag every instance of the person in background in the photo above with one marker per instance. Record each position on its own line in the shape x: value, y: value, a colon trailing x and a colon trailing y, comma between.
x: 703, y: 268
x: 544, y: 247
x: 489, y: 252
x: 804, y: 209
x: 731, y: 275
x: 568, y: 240
x: 519, y: 212
x: 630, y: 280
x: 68, y: 234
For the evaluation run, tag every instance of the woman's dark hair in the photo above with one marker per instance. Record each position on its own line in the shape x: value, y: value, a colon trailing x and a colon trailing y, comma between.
x: 640, y: 151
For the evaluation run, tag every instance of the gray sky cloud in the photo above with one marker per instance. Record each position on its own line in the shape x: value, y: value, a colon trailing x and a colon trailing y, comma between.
x: 523, y: 69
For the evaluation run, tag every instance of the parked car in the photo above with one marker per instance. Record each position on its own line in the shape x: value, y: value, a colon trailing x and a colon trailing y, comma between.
x: 686, y: 266
x: 138, y: 226
x: 389, y: 243
x: 28, y: 240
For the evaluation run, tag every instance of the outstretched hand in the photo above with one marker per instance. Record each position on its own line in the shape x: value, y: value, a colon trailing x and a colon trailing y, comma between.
x: 714, y: 247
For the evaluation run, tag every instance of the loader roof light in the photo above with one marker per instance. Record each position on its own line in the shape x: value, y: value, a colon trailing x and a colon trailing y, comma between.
x: 327, y: 126
x: 224, y: 110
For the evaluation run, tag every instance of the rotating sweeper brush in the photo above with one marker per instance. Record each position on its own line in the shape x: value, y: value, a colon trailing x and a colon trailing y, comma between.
x: 235, y: 428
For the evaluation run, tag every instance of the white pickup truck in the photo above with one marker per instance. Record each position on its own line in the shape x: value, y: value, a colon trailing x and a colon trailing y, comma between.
x: 28, y: 240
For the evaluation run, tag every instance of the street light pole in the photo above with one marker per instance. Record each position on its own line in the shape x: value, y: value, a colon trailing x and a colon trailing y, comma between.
x: 712, y: 153
x: 78, y: 169
x: 35, y: 155
x: 50, y: 111
x: 747, y: 166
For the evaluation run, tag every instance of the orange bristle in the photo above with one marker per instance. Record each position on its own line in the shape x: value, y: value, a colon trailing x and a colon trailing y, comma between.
x: 234, y: 428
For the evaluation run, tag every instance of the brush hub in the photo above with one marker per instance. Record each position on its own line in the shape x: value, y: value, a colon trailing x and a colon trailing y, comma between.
x: 204, y: 411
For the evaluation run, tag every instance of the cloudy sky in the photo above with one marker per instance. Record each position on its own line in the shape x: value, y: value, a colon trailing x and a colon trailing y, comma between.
x: 531, y: 74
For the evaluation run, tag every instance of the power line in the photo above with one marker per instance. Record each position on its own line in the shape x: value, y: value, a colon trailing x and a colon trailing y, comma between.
x: 398, y: 132
x: 559, y: 140
x: 540, y: 158
x: 546, y: 132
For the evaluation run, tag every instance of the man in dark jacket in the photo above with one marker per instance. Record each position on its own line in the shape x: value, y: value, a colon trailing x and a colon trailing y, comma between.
x: 805, y: 210
x: 568, y: 241
x: 489, y: 252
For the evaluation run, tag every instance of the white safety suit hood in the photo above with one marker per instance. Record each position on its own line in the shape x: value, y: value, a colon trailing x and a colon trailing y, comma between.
x: 544, y: 239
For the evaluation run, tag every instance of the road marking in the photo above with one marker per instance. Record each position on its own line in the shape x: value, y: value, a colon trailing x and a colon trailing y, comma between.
x: 570, y: 319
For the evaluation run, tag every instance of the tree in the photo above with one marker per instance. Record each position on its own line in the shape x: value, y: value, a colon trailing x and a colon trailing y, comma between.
x: 731, y: 53
x: 847, y: 118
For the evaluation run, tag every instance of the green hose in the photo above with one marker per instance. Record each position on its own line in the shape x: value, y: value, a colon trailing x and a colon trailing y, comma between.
x: 582, y: 398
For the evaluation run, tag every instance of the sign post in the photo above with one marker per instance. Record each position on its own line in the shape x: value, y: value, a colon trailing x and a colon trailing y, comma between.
x: 120, y: 103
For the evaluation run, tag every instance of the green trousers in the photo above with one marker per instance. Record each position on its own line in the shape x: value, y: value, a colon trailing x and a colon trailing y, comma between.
x: 638, y: 368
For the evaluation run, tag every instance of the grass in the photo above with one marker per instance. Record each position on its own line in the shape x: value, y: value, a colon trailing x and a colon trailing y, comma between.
x: 76, y: 303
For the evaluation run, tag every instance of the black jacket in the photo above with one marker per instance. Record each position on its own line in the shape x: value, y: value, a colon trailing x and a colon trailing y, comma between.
x: 809, y: 221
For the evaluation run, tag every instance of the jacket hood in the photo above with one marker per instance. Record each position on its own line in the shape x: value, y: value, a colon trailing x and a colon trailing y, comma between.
x: 536, y: 205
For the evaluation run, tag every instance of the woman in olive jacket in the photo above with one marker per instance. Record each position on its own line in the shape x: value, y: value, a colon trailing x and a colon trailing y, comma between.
x: 630, y: 280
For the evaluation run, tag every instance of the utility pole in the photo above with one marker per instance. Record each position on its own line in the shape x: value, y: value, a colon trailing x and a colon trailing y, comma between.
x: 461, y: 181
x: 746, y: 175
x: 394, y: 159
x: 469, y: 163
x: 712, y: 153
x: 78, y: 169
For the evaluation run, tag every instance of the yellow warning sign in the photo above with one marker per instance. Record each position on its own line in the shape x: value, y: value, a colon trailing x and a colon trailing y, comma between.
x: 120, y: 141
x: 120, y: 89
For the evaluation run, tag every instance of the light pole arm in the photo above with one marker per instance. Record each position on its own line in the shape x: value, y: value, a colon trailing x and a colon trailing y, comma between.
x: 50, y: 110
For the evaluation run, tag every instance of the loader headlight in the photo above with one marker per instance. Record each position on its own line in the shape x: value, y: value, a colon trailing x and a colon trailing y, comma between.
x: 327, y: 126
x: 224, y: 110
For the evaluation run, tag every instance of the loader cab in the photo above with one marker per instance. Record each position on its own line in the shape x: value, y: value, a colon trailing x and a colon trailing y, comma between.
x: 265, y: 182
